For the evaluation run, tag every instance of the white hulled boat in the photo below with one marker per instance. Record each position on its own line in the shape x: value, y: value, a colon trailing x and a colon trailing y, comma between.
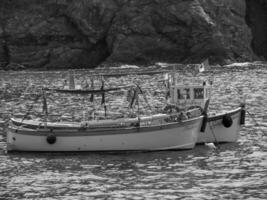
x: 217, y: 128
x: 154, y: 132
x: 223, y: 127
x: 147, y: 133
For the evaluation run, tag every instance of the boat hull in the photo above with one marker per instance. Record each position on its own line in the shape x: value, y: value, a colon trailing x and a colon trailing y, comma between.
x: 217, y: 132
x: 178, y: 135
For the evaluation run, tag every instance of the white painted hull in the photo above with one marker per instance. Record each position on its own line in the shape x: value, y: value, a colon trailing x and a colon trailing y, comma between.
x: 216, y: 132
x: 177, y: 135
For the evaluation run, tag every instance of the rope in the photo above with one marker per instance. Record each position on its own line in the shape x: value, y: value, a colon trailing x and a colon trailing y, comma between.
x: 212, y: 131
x: 30, y: 108
x: 27, y: 90
x: 144, y: 96
x: 5, y: 125
x: 256, y: 123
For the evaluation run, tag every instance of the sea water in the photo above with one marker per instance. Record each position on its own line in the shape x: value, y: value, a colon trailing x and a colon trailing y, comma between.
x: 229, y: 171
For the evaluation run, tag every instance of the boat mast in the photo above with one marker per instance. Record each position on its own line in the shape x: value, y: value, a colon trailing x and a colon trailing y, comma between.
x: 138, y: 108
x: 45, y: 110
x: 173, y: 76
x: 71, y: 80
x: 103, y: 101
x: 92, y: 97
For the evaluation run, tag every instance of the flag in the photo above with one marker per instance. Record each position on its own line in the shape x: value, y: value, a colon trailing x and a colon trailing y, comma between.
x: 203, y: 66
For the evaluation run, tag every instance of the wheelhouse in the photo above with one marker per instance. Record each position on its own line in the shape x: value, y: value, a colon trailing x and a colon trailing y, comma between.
x: 190, y: 94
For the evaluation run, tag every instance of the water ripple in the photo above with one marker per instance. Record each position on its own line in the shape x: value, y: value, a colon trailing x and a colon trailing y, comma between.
x: 231, y: 171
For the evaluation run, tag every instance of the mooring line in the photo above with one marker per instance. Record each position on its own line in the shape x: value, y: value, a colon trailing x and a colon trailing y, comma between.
x: 256, y: 123
x: 211, y: 128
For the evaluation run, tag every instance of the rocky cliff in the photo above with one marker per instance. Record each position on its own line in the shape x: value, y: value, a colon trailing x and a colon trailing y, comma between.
x: 56, y: 34
x: 256, y: 19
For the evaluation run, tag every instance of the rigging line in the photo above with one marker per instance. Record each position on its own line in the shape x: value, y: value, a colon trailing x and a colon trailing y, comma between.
x: 144, y: 96
x: 30, y: 108
x: 256, y: 123
x: 212, y: 131
x: 25, y: 92
x: 5, y: 125
x: 138, y: 111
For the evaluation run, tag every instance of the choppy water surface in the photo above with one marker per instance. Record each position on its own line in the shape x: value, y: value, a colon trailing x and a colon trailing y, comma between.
x: 232, y: 171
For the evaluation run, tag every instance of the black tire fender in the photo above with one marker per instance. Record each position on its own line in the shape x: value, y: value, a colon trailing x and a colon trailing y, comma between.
x: 227, y: 121
x: 51, y: 139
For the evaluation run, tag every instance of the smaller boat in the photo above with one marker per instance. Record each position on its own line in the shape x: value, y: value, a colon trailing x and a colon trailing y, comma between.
x: 223, y: 127
x: 217, y: 128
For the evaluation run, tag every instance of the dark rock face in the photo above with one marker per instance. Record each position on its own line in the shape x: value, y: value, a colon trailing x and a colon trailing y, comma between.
x: 180, y: 31
x: 56, y: 34
x: 257, y: 20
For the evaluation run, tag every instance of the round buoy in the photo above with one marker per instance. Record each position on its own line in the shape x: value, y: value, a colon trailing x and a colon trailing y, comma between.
x: 51, y: 139
x: 227, y: 121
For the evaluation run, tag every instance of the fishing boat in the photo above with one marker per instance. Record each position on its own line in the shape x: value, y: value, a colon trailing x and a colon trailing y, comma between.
x: 223, y: 127
x: 217, y: 127
x: 163, y: 131
x: 147, y: 133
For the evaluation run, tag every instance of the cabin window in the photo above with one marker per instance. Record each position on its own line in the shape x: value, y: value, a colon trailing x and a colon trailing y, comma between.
x: 183, y: 93
x: 179, y: 95
x: 187, y: 93
x: 199, y: 93
x: 207, y: 92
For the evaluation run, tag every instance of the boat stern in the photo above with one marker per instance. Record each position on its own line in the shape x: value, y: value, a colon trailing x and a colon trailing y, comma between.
x: 223, y: 127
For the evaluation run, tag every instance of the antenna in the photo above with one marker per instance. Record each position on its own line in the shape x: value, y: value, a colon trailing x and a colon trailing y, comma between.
x: 71, y: 80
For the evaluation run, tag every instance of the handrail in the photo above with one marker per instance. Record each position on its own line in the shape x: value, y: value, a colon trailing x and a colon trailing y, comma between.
x: 85, y: 91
